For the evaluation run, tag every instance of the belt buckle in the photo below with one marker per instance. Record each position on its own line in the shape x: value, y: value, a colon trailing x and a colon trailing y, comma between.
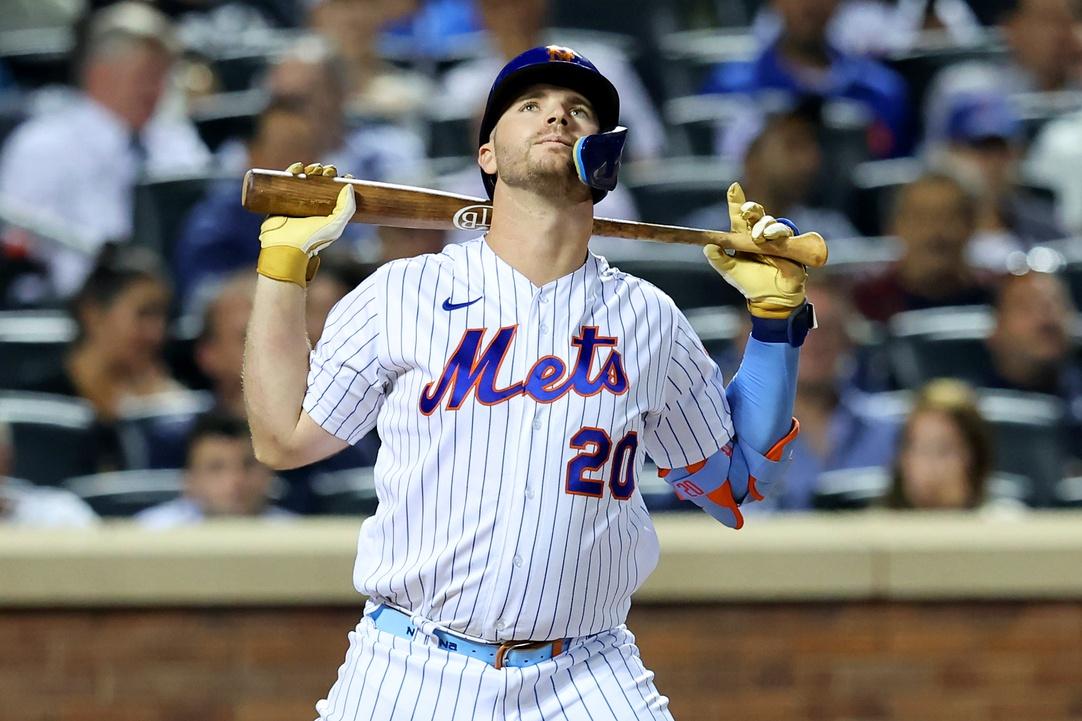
x: 508, y: 646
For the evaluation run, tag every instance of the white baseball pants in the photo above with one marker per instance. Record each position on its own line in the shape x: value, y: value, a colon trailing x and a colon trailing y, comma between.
x: 387, y: 678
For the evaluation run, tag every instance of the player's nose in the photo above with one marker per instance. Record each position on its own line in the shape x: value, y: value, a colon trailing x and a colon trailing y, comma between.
x: 558, y: 115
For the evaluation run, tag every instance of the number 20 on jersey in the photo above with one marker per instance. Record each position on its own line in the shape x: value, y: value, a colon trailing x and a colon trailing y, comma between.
x: 595, y: 447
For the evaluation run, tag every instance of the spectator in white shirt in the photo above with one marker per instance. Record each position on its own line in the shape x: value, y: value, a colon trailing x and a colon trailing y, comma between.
x: 518, y: 25
x: 221, y: 478
x: 74, y: 166
x: 24, y: 504
x: 1055, y: 160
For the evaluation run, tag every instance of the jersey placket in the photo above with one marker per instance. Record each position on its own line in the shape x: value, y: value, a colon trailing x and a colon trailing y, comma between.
x: 523, y: 504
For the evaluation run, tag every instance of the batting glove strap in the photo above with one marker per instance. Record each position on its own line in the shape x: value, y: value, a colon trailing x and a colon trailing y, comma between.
x: 792, y: 330
x: 287, y: 264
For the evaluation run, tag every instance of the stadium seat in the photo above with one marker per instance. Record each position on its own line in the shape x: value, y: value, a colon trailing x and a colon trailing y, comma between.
x: 451, y: 136
x: 239, y: 71
x: 53, y: 435
x: 180, y: 349
x: 667, y: 191
x: 1068, y: 492
x: 224, y: 116
x: 919, y: 68
x: 937, y: 342
x: 161, y: 205
x: 154, y: 432
x: 11, y: 115
x: 38, y: 57
x: 344, y: 493
x: 718, y: 328
x: 852, y: 258
x: 693, y: 119
x: 125, y: 493
x: 1028, y: 438
x: 690, y: 283
x: 1027, y: 435
x: 851, y: 488
x: 874, y: 184
x: 32, y: 346
x: 857, y: 488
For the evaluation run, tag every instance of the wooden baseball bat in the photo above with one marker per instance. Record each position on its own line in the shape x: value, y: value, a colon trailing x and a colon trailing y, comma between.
x: 276, y: 192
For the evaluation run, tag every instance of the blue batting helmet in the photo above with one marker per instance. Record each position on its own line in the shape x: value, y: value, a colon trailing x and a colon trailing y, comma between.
x: 555, y: 65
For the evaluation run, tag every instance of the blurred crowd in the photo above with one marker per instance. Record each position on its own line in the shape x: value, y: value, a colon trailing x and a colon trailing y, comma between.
x: 935, y: 144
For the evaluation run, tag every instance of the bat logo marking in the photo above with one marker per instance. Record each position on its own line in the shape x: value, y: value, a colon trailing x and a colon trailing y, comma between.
x: 472, y: 217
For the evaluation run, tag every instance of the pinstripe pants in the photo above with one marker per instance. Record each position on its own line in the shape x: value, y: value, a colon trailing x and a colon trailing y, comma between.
x: 387, y: 678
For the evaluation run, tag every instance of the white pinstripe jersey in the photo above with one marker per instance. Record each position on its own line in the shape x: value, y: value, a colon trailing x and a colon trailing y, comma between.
x: 514, y: 421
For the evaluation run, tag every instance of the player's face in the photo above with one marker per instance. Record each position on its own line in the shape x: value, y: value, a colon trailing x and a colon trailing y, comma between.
x: 935, y: 462
x: 531, y: 145
x: 224, y: 477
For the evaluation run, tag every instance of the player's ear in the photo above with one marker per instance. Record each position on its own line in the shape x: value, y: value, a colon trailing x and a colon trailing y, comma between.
x: 486, y: 157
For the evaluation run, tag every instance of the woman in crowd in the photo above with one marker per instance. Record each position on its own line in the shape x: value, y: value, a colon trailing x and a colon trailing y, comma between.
x: 121, y: 313
x: 945, y: 452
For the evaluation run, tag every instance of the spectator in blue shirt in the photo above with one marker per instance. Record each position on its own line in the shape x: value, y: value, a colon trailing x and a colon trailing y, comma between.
x: 802, y: 61
x: 220, y: 236
x: 836, y: 429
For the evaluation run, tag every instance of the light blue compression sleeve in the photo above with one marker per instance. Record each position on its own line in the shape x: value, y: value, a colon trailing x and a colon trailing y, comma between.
x: 761, y: 397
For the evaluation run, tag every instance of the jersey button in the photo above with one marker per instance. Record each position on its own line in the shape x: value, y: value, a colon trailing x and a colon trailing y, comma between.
x: 537, y: 423
x: 529, y: 493
x: 543, y: 329
x: 500, y: 625
x: 517, y: 560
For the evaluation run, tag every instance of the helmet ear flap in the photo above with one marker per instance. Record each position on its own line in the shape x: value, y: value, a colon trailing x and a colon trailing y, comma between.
x: 597, y: 158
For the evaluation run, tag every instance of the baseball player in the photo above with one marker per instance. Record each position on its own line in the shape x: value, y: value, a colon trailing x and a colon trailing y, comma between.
x: 517, y: 382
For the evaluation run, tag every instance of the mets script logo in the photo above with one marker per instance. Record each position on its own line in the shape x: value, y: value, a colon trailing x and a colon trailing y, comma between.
x: 471, y: 369
x: 472, y: 217
x: 558, y: 52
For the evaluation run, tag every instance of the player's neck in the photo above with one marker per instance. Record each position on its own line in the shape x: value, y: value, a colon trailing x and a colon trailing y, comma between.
x: 542, y: 239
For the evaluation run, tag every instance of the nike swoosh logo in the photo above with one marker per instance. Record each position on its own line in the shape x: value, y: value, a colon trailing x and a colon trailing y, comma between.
x: 448, y: 305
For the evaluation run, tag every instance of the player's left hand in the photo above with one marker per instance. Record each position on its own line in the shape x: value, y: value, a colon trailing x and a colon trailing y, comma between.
x: 773, y: 287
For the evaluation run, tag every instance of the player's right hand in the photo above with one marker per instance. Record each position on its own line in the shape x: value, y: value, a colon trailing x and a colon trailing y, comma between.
x: 290, y: 245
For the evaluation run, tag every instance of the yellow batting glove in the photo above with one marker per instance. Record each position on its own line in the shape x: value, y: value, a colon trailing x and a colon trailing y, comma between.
x: 773, y: 287
x: 290, y: 245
